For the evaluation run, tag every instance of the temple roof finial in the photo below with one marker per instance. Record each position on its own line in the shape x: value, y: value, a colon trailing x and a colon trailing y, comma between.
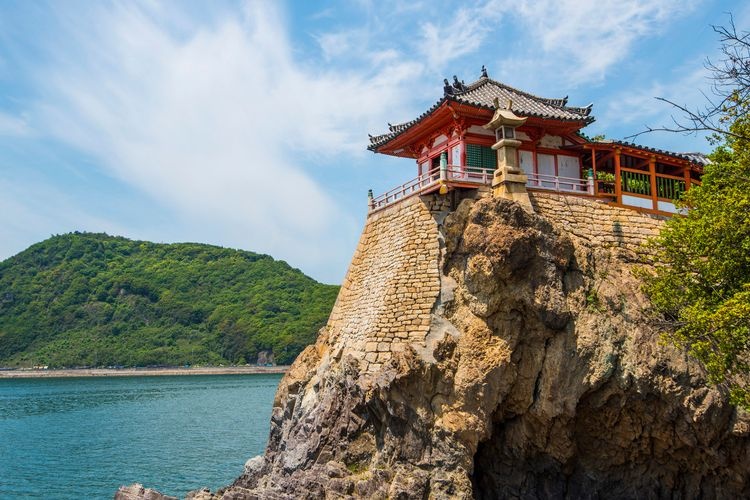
x: 447, y: 89
x: 484, y: 72
x: 458, y: 85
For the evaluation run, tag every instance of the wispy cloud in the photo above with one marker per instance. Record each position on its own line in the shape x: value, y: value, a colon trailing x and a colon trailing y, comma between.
x: 639, y: 106
x: 571, y: 41
x: 463, y: 33
x: 579, y: 41
x: 15, y: 126
x: 234, y: 123
x: 636, y: 109
x: 212, y: 124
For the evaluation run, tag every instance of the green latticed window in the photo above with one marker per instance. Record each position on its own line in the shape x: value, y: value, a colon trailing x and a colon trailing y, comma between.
x: 480, y: 157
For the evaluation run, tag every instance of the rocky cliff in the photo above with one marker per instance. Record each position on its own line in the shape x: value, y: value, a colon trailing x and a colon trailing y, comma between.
x: 486, y: 352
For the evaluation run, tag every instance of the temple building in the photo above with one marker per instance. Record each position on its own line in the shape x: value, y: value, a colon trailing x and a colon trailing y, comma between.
x: 490, y: 134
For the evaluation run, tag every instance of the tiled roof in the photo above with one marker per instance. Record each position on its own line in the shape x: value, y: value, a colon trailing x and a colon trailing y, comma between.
x: 697, y: 158
x: 395, y: 130
x: 483, y: 93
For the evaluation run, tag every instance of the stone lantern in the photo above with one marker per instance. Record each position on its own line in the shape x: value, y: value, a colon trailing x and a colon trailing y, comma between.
x: 508, y: 181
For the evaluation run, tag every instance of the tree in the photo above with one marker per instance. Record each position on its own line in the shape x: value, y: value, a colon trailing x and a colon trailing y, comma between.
x: 701, y: 283
x: 730, y: 76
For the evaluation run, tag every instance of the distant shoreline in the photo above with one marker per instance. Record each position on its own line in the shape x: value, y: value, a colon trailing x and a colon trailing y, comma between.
x: 141, y: 372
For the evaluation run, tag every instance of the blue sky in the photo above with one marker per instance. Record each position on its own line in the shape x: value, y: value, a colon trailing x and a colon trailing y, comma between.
x: 244, y: 124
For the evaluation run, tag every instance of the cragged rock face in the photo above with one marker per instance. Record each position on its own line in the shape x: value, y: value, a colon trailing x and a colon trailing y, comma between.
x: 539, y: 377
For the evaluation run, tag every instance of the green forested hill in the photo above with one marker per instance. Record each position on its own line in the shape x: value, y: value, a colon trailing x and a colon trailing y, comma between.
x: 92, y: 299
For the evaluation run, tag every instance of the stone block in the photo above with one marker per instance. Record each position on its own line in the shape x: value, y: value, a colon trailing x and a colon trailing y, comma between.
x: 384, y: 356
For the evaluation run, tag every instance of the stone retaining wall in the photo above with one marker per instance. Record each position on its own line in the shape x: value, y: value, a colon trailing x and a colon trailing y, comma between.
x: 393, y: 281
x: 598, y: 224
x: 391, y: 285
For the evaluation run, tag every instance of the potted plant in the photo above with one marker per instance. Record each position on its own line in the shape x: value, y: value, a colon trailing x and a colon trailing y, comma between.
x: 606, y: 182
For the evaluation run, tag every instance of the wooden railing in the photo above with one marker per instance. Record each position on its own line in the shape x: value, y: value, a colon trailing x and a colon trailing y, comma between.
x: 475, y: 175
x: 669, y: 187
x: 408, y: 188
x: 449, y: 174
x: 605, y: 188
x: 557, y: 183
x: 635, y: 182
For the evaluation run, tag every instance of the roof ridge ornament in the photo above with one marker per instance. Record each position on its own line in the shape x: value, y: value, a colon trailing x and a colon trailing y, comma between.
x: 459, y: 86
x: 480, y: 94
x: 484, y: 72
x: 447, y: 89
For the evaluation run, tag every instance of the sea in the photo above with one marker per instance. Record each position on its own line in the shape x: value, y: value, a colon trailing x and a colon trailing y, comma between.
x: 73, y: 438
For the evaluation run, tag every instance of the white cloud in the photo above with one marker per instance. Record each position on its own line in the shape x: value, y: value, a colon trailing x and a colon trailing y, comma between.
x: 463, y: 34
x: 570, y: 41
x: 580, y: 40
x: 638, y: 106
x: 224, y: 122
x: 336, y: 44
x: 11, y: 125
x: 636, y: 109
x: 212, y: 125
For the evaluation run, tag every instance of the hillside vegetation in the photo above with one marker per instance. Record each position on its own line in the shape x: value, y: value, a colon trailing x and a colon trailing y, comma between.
x: 85, y: 299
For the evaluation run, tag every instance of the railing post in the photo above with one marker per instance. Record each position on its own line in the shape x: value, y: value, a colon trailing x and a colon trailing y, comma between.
x: 593, y: 170
x: 618, y: 177
x: 590, y: 181
x: 652, y: 182
x: 557, y: 183
x: 370, y: 200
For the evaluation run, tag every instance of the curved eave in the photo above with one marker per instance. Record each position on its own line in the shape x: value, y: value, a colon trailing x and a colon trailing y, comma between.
x: 380, y: 142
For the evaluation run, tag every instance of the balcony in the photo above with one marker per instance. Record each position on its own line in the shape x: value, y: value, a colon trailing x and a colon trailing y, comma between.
x: 560, y: 184
x: 429, y: 182
x: 453, y: 176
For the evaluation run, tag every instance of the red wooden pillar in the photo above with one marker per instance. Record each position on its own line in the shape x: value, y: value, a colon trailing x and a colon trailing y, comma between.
x: 686, y: 172
x: 618, y: 180
x: 593, y: 170
x: 652, y: 178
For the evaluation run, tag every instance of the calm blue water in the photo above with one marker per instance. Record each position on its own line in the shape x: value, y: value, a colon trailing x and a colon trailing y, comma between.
x: 84, y: 437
